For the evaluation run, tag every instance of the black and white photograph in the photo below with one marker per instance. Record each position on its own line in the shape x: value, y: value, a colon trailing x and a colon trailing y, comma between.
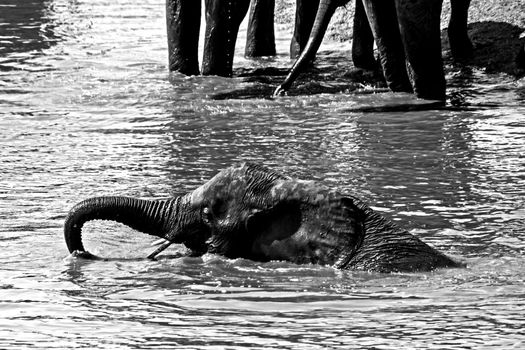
x: 262, y: 174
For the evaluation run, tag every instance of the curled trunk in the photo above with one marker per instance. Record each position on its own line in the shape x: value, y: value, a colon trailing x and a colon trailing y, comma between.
x: 153, y: 217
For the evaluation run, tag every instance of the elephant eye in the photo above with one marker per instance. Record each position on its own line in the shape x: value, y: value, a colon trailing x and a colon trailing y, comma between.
x: 218, y: 208
x: 215, y: 210
x: 206, y: 214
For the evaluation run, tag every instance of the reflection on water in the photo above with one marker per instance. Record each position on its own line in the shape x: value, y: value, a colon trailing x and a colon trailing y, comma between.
x: 28, y: 28
x: 86, y: 108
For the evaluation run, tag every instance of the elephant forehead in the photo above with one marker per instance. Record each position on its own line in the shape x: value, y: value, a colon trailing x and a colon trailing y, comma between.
x: 236, y: 182
x: 248, y: 183
x: 301, y: 190
x: 223, y: 185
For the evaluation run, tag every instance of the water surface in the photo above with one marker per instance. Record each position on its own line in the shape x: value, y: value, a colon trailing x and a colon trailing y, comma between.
x: 87, y: 108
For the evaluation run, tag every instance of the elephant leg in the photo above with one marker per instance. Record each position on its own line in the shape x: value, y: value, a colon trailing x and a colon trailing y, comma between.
x: 363, y: 40
x: 384, y: 24
x: 183, y: 25
x: 419, y: 23
x: 460, y: 44
x: 520, y: 57
x: 304, y: 19
x: 223, y: 18
x: 260, y: 38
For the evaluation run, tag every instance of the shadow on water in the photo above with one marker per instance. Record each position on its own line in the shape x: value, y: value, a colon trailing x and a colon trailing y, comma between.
x: 498, y: 48
x: 329, y: 75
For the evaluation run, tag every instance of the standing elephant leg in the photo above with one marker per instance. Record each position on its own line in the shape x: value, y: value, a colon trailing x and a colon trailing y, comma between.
x: 223, y: 18
x: 260, y: 38
x: 384, y: 24
x: 304, y: 20
x: 183, y: 24
x: 520, y: 57
x: 419, y: 23
x: 362, y: 40
x: 460, y: 44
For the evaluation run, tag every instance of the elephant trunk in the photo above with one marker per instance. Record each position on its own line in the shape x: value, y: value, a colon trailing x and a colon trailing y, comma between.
x: 154, y: 217
x: 322, y: 19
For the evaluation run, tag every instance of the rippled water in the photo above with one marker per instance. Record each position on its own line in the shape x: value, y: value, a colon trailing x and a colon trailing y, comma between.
x: 86, y: 108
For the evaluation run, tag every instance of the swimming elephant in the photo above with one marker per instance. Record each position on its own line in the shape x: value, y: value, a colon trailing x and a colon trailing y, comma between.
x: 248, y: 211
x: 407, y: 35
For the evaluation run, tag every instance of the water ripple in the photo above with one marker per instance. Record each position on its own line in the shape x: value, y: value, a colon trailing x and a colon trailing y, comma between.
x: 87, y: 108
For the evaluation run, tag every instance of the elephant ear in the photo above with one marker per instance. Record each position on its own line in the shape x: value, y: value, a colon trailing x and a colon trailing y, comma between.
x: 268, y: 200
x: 272, y: 213
x: 276, y: 222
x: 304, y: 222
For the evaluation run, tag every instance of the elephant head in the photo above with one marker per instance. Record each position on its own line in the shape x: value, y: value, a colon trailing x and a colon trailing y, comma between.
x: 249, y: 211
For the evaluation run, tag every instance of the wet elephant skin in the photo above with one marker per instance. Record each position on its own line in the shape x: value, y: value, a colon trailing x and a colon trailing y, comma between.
x: 249, y: 211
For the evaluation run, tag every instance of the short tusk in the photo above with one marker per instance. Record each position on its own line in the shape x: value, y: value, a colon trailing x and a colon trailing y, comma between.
x: 158, y: 241
x: 157, y: 251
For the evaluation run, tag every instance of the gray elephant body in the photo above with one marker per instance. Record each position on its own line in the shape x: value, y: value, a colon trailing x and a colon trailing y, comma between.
x: 223, y: 18
x: 407, y: 36
x: 248, y: 211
